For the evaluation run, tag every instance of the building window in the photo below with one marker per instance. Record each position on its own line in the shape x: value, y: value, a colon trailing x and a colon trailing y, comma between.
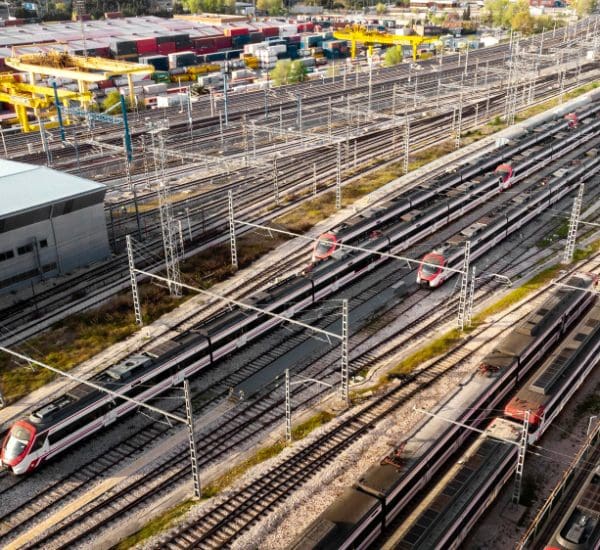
x: 43, y: 243
x: 6, y: 255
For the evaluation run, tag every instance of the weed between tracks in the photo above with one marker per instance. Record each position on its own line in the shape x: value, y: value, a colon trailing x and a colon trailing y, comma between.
x: 84, y: 335
x: 450, y: 339
x: 168, y: 518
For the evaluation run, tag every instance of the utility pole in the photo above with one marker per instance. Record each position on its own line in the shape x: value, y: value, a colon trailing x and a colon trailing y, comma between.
x: 345, y: 385
x: 521, y: 459
x: 134, y: 286
x: 406, y: 144
x: 167, y: 225
x: 464, y: 287
x: 192, y: 440
x: 288, y: 408
x: 338, y: 179
x: 232, y: 239
x: 459, y: 119
x: 276, y: 181
x: 288, y: 401
x: 573, y: 223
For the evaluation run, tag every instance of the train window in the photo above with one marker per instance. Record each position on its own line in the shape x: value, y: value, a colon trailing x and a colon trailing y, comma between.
x: 6, y: 255
x: 43, y: 243
x: 25, y: 249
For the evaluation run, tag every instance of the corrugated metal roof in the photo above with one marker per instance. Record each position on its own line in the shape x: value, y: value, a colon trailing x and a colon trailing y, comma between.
x: 27, y: 186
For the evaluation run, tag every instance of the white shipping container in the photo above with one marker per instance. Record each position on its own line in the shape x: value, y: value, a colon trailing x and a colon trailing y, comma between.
x: 170, y: 100
x: 158, y: 88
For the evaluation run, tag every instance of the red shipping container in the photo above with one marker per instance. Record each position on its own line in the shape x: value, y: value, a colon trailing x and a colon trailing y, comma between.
x: 293, y: 39
x: 204, y: 49
x: 301, y: 27
x: 103, y: 84
x: 238, y: 31
x: 310, y: 26
x: 222, y: 42
x: 204, y: 42
x: 270, y: 31
x: 167, y: 48
x: 146, y: 45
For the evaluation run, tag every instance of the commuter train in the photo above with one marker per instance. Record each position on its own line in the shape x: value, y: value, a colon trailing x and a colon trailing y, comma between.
x: 357, y: 518
x: 441, y: 264
x: 82, y: 411
x: 474, y: 184
x: 579, y: 528
x: 559, y: 377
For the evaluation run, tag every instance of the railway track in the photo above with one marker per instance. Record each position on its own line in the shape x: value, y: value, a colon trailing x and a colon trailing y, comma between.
x: 217, y: 441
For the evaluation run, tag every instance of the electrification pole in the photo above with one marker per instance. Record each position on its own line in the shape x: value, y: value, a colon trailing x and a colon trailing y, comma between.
x: 232, y: 239
x: 573, y: 223
x: 134, y: 286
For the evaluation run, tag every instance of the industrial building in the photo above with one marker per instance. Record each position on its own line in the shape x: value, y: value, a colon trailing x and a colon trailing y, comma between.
x: 50, y: 223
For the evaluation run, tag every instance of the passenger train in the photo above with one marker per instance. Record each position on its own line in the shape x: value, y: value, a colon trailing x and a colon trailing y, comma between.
x: 477, y: 182
x: 356, y: 519
x: 441, y: 264
x: 579, y: 528
x: 82, y: 411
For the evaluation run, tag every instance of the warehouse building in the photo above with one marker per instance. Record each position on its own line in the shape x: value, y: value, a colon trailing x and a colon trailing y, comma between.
x: 50, y: 223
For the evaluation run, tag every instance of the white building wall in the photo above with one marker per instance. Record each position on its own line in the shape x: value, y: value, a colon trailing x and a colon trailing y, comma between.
x: 69, y: 241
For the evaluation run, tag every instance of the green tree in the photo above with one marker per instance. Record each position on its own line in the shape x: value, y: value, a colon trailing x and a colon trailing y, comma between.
x: 298, y: 72
x: 584, y: 7
x: 272, y: 7
x: 193, y: 6
x: 111, y: 99
x: 288, y: 72
x: 380, y: 8
x: 393, y: 56
x: 280, y: 73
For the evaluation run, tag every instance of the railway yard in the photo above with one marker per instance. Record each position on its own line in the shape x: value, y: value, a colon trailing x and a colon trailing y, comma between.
x: 330, y: 399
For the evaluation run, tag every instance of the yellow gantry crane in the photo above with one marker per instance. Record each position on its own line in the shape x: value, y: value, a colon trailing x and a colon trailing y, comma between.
x: 82, y: 69
x: 359, y: 34
x: 39, y: 99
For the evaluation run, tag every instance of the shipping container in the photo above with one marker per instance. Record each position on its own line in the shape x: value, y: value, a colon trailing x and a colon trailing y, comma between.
x: 166, y: 48
x: 157, y: 88
x: 181, y: 59
x: 159, y: 62
x: 147, y: 45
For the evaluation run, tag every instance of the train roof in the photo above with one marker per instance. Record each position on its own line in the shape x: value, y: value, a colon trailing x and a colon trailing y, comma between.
x: 456, y: 490
x: 569, y: 353
x: 82, y: 395
x: 569, y: 356
x: 537, y: 322
x: 337, y: 522
x: 582, y: 527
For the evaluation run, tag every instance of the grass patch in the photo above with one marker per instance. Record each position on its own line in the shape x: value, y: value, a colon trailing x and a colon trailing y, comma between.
x: 156, y: 526
x: 586, y: 252
x: 435, y: 348
x: 82, y: 336
x: 518, y: 294
x: 164, y: 521
x: 77, y: 339
x: 561, y: 233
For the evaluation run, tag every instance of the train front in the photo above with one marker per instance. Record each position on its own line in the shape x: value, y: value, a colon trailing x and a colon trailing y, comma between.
x: 16, y: 447
x: 324, y: 247
x: 431, y: 270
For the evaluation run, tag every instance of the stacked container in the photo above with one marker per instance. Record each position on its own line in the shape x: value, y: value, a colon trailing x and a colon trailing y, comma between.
x: 159, y: 62
x: 146, y: 46
x: 181, y: 59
